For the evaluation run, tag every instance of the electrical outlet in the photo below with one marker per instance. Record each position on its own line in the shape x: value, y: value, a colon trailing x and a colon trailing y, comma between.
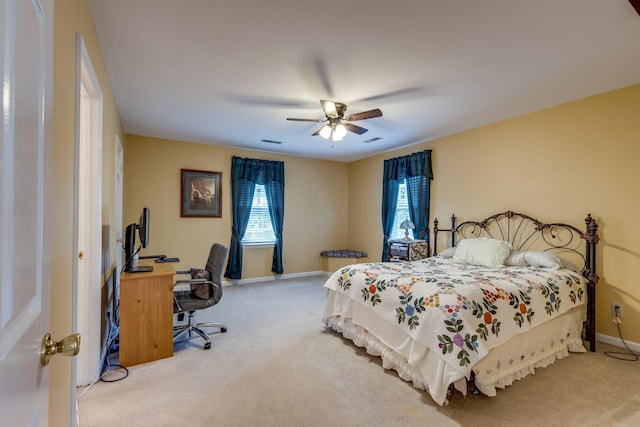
x: 616, y: 309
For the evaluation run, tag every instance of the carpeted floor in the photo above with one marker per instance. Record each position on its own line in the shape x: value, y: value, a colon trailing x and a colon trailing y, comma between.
x: 278, y: 366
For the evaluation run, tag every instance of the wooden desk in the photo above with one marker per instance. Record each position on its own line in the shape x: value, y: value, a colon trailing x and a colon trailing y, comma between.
x: 146, y: 314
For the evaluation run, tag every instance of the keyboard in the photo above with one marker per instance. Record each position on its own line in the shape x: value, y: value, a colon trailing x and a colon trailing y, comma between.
x: 151, y: 256
x: 141, y: 269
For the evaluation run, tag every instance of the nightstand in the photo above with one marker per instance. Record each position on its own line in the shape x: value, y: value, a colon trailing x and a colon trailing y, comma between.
x: 399, y: 250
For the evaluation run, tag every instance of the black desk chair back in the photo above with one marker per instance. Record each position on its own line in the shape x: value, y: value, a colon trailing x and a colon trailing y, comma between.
x: 205, y: 291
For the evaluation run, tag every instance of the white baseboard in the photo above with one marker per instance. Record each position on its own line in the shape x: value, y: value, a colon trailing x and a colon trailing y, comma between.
x: 634, y: 346
x: 229, y: 282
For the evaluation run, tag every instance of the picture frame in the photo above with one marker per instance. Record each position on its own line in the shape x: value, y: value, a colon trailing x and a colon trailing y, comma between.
x: 200, y: 194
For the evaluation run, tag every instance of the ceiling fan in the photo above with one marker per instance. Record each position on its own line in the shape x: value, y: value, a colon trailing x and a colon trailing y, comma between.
x: 337, y: 123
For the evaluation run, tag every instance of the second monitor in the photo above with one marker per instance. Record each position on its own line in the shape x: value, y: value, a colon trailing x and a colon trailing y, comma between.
x: 130, y: 249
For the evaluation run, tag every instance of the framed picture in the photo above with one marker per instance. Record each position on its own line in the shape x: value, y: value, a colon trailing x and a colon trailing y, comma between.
x: 200, y: 194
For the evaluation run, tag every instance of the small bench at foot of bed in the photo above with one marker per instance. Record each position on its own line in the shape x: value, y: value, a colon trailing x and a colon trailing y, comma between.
x: 335, y: 259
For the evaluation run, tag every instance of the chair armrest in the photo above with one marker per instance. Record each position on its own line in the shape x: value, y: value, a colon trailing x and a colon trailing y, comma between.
x: 192, y: 281
x: 199, y: 291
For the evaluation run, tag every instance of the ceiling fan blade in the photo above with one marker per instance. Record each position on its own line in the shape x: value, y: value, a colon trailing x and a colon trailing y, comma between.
x: 304, y: 120
x: 355, y: 129
x: 320, y: 66
x: 269, y: 101
x: 364, y: 115
x: 407, y: 93
x: 316, y: 133
x: 329, y: 108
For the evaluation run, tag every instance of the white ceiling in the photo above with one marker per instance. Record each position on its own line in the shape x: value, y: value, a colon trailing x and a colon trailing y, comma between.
x: 229, y: 72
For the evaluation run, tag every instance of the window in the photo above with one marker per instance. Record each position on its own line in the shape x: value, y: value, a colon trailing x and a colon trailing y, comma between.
x: 402, y: 212
x: 259, y: 229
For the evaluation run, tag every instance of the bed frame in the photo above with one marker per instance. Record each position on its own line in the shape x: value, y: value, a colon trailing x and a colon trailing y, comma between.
x: 525, y: 233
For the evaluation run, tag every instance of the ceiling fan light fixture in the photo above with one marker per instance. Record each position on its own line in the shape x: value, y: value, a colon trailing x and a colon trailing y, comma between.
x: 325, y: 132
x: 340, y: 130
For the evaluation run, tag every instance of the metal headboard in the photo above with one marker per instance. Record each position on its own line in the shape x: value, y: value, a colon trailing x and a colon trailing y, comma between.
x: 527, y: 233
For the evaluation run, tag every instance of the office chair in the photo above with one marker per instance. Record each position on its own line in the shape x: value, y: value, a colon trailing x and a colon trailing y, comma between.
x: 205, y: 291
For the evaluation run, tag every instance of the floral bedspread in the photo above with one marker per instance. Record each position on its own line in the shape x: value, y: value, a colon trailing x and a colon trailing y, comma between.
x: 460, y: 311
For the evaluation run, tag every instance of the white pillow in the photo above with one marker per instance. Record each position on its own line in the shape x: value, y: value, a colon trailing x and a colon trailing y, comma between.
x: 543, y: 259
x: 516, y: 259
x: 482, y: 251
x: 448, y: 253
x: 537, y: 259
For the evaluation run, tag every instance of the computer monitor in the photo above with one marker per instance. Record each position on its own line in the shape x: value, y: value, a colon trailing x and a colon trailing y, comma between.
x: 143, y: 227
x: 130, y: 249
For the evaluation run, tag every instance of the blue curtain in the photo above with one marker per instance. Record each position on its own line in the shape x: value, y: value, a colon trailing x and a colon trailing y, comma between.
x: 389, y: 201
x: 245, y: 174
x: 416, y: 170
x: 274, y: 189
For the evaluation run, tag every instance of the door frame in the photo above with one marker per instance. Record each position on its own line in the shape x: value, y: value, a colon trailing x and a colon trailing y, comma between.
x: 87, y: 199
x: 118, y: 204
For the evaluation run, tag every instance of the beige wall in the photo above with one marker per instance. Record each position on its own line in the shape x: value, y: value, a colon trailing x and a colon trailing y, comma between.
x: 556, y: 165
x: 71, y: 17
x: 316, y: 204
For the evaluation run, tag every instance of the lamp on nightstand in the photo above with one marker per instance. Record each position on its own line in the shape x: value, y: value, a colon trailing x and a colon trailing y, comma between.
x: 407, y: 225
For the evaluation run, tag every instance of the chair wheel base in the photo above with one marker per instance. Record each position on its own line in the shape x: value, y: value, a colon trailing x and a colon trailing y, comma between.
x: 223, y: 329
x: 207, y: 345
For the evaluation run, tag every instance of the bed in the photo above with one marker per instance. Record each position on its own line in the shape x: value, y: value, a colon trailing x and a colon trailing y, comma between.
x: 509, y: 295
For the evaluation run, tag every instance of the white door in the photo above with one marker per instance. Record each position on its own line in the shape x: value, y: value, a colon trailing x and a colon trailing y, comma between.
x: 26, y: 33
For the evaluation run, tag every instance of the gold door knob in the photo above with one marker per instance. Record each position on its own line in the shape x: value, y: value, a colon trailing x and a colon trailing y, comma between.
x: 80, y: 255
x: 69, y: 346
